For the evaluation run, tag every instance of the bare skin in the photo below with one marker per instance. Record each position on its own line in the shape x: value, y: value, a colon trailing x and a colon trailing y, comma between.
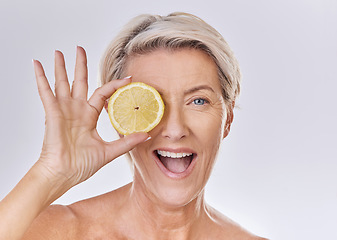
x: 157, y: 204
x: 108, y: 217
x: 72, y: 149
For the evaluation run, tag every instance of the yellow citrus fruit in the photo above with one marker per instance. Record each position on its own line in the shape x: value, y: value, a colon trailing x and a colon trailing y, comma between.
x: 136, y: 107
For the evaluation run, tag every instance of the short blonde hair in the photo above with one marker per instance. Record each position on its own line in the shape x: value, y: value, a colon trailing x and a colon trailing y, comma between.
x: 147, y: 33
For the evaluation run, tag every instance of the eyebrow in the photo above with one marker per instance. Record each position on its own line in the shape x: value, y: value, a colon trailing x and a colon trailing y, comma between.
x: 198, y: 88
x: 192, y: 90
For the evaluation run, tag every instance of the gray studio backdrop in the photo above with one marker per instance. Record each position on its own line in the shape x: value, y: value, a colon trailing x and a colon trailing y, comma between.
x: 276, y: 172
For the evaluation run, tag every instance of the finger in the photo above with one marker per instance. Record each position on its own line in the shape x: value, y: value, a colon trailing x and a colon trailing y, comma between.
x: 62, y: 88
x: 119, y: 147
x: 80, y: 84
x: 45, y: 92
x: 97, y: 100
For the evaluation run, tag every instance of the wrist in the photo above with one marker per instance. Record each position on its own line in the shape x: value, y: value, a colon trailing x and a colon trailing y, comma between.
x: 35, y: 192
x: 52, y: 184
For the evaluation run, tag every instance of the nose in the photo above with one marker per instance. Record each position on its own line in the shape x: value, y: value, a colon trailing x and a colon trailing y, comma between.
x: 174, y: 126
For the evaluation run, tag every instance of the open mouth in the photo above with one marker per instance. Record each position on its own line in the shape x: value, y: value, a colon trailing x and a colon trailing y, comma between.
x: 175, y: 162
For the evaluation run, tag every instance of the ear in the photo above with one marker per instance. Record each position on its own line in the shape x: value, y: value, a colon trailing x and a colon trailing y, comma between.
x: 106, y: 104
x: 229, y: 120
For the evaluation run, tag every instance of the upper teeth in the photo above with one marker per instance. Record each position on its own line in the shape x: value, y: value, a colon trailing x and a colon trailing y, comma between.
x: 173, y: 155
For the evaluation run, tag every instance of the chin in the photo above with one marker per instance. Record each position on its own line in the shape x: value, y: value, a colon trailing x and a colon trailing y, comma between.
x: 174, y: 193
x: 166, y: 181
x: 176, y: 197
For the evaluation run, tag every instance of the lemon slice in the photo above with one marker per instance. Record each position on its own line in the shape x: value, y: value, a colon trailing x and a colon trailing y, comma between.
x: 136, y: 107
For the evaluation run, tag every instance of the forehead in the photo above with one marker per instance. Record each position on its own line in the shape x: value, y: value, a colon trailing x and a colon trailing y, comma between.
x: 174, y: 69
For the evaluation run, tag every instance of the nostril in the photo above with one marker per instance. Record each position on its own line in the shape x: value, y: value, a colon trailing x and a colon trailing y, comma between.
x: 173, y: 123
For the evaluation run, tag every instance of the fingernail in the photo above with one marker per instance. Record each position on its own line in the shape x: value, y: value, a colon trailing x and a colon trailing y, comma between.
x: 78, y: 47
x: 128, y: 77
x: 147, y: 139
x: 56, y: 51
x: 77, y: 50
x: 34, y: 61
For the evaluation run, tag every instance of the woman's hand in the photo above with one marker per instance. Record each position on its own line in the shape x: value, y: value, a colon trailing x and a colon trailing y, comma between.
x: 72, y: 149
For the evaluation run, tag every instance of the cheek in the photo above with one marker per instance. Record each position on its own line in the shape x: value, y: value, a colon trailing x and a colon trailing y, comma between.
x: 208, y: 127
x: 142, y: 159
x: 208, y: 130
x: 136, y: 155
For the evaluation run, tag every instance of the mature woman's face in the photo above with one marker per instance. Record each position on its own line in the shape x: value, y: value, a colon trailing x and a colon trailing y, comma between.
x: 174, y: 166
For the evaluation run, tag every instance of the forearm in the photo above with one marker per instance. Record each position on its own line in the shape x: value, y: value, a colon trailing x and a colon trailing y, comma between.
x: 26, y: 201
x: 72, y: 149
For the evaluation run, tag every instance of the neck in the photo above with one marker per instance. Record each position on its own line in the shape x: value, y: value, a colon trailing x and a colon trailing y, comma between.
x: 157, y: 219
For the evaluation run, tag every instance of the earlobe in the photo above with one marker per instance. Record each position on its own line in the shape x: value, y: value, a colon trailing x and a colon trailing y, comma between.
x: 229, y: 120
x: 227, y: 130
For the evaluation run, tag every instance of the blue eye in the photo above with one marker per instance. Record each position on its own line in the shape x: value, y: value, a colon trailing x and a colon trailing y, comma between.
x: 199, y: 101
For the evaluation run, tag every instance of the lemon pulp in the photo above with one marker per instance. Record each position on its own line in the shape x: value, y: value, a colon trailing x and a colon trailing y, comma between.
x: 136, y: 107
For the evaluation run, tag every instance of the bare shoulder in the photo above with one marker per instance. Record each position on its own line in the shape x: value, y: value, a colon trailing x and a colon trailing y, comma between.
x: 68, y: 222
x: 225, y: 228
x: 83, y: 219
x: 56, y: 222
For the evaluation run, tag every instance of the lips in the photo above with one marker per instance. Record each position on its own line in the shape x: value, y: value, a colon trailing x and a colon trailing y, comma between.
x: 175, y: 163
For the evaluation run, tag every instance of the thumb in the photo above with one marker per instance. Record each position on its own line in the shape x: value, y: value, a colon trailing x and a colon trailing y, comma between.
x: 119, y: 147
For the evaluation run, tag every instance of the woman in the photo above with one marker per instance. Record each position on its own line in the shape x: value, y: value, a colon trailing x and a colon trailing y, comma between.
x: 192, y: 67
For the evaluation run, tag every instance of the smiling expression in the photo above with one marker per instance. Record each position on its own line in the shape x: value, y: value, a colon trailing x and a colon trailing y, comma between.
x: 174, y: 166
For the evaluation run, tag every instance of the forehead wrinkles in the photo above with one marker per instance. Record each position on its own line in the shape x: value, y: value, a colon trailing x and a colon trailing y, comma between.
x: 175, y: 71
x: 183, y: 60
